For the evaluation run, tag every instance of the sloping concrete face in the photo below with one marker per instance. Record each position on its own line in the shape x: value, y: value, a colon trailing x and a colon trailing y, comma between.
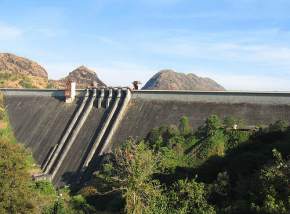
x: 61, y: 135
x: 148, y: 110
x: 39, y: 121
x: 69, y: 170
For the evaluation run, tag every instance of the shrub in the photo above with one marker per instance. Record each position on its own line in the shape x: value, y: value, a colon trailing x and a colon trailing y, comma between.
x: 236, y: 138
x: 279, y: 126
x: 26, y: 83
x: 45, y: 187
x: 184, y: 126
x: 80, y: 205
x: 190, y: 197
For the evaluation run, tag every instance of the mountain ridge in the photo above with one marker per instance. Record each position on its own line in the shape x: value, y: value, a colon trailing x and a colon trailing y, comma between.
x: 21, y: 72
x: 11, y: 63
x: 83, y: 76
x: 170, y: 80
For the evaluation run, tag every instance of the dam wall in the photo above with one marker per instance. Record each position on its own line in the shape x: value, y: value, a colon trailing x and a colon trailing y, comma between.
x: 150, y: 109
x: 65, y: 137
x: 40, y: 119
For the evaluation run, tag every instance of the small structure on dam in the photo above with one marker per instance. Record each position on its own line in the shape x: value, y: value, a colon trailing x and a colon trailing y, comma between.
x: 70, y: 91
x: 65, y: 138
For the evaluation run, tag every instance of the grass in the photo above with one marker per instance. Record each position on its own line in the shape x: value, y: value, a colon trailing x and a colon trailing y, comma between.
x: 12, y: 80
x: 6, y: 132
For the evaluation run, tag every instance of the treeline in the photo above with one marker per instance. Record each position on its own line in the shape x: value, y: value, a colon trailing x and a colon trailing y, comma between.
x: 223, y: 167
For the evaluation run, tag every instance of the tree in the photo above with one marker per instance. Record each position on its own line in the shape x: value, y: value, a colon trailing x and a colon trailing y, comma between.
x: 212, y: 124
x: 184, y: 126
x: 130, y: 172
x: 190, y: 197
x: 16, y: 193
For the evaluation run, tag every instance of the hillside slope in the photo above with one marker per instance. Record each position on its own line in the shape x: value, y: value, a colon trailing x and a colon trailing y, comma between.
x: 83, y: 76
x: 20, y: 72
x: 11, y: 63
x: 171, y: 80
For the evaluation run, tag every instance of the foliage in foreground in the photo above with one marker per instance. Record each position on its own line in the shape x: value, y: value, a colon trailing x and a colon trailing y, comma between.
x: 217, y: 169
x: 18, y: 192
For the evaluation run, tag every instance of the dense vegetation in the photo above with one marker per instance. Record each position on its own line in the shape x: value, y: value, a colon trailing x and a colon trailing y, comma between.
x: 18, y: 192
x: 217, y: 169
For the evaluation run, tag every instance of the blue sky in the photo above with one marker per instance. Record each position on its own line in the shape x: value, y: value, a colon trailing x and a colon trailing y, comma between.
x: 243, y: 44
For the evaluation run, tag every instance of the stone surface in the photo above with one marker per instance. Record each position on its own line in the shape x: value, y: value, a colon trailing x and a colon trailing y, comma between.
x: 171, y: 80
x: 11, y: 63
x: 83, y: 76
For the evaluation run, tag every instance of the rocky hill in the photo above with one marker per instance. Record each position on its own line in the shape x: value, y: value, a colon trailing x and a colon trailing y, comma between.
x: 19, y: 72
x: 14, y: 64
x: 171, y: 80
x: 83, y: 76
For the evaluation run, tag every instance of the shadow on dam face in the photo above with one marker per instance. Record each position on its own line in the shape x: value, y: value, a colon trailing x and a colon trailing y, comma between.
x: 61, y: 135
x: 69, y: 171
x: 39, y: 122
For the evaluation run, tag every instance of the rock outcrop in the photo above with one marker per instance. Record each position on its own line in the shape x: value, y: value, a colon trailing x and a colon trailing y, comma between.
x: 11, y: 63
x: 83, y: 76
x: 19, y: 72
x: 171, y: 80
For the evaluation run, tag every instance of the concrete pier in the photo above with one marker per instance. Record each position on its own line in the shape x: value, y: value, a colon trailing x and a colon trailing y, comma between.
x: 68, y: 132
x: 104, y: 127
x: 101, y: 98
x: 74, y: 133
x: 109, y: 98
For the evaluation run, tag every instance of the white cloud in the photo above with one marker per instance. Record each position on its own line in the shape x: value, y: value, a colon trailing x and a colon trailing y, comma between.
x: 9, y: 32
x: 246, y: 52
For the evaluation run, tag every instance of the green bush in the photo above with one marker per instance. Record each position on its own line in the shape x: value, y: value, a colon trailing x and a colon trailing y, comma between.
x: 190, y: 197
x: 236, y: 138
x: 279, y: 126
x: 26, y: 83
x: 45, y: 188
x: 184, y: 126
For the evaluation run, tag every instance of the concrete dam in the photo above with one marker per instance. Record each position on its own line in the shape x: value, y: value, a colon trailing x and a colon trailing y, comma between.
x: 65, y: 137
